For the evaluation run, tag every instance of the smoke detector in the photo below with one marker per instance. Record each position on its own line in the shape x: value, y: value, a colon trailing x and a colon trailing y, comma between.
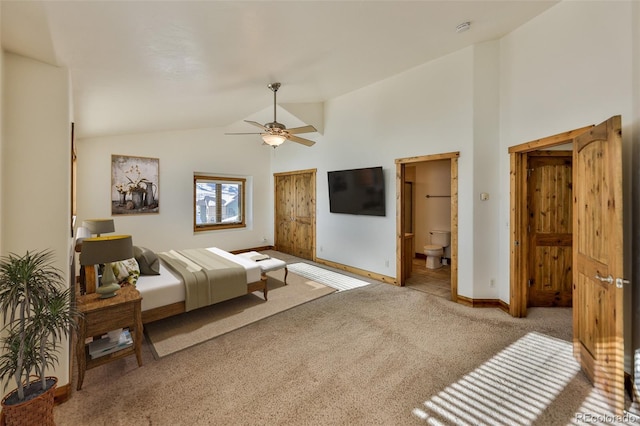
x: 463, y: 27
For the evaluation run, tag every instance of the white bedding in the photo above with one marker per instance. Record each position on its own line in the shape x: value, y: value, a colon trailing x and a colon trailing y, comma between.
x: 166, y: 288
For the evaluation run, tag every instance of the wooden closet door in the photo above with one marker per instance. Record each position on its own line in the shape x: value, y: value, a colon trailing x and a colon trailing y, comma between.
x: 284, y: 206
x: 295, y: 213
x: 304, y: 215
x: 550, y: 203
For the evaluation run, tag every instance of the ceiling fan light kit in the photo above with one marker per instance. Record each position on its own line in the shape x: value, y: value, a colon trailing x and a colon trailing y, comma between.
x: 274, y: 133
x: 273, y: 140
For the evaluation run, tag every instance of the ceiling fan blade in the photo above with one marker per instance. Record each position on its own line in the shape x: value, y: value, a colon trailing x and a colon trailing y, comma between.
x: 255, y: 133
x: 256, y: 124
x: 298, y: 139
x: 303, y: 129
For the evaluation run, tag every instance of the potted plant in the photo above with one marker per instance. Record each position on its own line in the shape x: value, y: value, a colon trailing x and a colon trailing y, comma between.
x: 37, y: 313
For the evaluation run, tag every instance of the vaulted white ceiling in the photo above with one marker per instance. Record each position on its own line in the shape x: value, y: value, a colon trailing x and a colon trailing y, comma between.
x: 140, y: 66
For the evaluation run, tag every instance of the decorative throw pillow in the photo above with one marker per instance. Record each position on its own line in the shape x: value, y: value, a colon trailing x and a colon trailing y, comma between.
x: 126, y: 271
x: 147, y: 260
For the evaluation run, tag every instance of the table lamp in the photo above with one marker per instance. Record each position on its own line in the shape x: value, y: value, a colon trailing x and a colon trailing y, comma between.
x: 104, y: 250
x: 81, y: 234
x: 99, y: 226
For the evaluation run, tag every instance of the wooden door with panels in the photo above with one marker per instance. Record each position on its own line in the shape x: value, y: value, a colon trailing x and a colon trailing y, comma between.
x: 521, y: 248
x: 598, y: 259
x: 549, y: 205
x: 295, y: 210
x: 597, y: 250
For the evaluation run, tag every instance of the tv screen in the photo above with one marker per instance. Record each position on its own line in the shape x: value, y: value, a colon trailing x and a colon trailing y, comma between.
x: 357, y: 191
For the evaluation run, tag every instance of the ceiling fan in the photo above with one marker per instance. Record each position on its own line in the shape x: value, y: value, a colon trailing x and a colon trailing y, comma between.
x: 274, y: 133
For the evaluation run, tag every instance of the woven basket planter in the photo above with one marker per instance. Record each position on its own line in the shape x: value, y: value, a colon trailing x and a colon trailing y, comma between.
x: 34, y: 411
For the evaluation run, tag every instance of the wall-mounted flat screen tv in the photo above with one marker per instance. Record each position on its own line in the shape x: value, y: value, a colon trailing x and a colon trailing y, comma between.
x: 357, y: 191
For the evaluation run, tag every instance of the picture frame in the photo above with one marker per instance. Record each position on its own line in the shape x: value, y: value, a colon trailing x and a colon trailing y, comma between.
x: 135, y: 185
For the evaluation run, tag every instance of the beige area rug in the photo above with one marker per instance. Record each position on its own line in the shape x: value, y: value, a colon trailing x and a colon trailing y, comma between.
x: 174, y: 334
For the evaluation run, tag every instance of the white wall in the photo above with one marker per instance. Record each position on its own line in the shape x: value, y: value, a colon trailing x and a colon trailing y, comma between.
x: 560, y: 73
x: 180, y: 154
x: 486, y: 176
x: 426, y: 110
x: 36, y: 165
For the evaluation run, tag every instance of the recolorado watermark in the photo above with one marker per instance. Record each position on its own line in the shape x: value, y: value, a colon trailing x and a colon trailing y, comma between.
x: 626, y: 418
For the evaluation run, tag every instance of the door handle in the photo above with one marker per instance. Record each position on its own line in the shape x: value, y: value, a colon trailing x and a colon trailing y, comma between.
x: 620, y: 282
x: 608, y: 279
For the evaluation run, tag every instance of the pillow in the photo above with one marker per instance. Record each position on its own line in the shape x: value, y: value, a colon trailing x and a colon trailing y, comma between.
x: 126, y: 271
x: 147, y: 260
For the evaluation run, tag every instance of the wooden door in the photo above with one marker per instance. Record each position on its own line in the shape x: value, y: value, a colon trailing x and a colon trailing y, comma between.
x: 401, y: 251
x: 295, y: 213
x: 598, y: 259
x: 549, y: 205
x: 284, y: 206
x: 303, y: 214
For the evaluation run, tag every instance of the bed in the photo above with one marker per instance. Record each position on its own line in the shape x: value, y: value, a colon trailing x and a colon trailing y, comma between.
x: 162, y: 287
x: 164, y: 295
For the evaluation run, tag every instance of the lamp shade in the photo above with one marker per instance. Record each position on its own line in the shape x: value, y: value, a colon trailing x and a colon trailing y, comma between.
x: 81, y: 234
x: 99, y: 226
x: 273, y: 140
x: 99, y: 250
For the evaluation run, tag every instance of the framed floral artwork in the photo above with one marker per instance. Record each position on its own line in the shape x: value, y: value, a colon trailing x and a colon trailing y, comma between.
x: 135, y: 185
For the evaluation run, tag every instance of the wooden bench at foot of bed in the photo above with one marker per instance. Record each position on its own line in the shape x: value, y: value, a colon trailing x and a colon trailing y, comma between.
x: 178, y: 308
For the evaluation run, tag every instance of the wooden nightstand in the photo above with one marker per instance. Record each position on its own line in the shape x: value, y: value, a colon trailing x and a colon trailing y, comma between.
x: 100, y: 316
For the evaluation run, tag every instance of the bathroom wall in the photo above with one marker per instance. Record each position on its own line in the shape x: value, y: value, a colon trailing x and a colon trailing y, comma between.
x: 431, y: 178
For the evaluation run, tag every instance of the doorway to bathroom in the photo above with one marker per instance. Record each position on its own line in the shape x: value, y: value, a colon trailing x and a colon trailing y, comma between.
x: 428, y: 203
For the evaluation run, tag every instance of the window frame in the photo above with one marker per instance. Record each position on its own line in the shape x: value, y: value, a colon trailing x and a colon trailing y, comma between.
x: 220, y: 180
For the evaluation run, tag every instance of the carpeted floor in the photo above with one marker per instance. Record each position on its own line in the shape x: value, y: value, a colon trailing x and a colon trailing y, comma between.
x: 375, y: 355
x: 514, y: 386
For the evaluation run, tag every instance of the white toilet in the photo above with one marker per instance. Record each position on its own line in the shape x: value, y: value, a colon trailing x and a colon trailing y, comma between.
x: 435, y: 250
